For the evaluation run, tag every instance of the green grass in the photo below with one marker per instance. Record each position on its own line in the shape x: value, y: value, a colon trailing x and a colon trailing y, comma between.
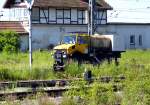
x: 134, y: 65
x: 16, y: 66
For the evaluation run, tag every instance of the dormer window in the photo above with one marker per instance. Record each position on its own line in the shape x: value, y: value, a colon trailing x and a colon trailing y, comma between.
x: 18, y: 1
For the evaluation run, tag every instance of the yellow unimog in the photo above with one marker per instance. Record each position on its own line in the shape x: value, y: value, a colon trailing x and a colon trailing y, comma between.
x: 74, y: 42
x: 81, y: 46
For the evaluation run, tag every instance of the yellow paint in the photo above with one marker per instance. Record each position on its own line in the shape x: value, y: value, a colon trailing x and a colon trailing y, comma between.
x: 71, y: 48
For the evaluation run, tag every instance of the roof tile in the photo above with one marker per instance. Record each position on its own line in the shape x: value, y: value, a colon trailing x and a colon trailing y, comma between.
x: 61, y: 4
x: 12, y: 25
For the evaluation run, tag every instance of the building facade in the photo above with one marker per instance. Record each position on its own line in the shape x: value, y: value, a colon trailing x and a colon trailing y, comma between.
x: 136, y: 36
x: 51, y: 19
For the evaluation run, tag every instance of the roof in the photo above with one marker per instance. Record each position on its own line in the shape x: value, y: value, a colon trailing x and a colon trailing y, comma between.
x: 11, y: 3
x: 69, y: 3
x: 14, y: 26
x: 127, y: 23
x: 129, y: 11
x: 62, y: 4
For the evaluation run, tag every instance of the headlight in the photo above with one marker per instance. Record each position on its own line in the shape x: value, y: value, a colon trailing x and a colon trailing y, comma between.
x: 65, y: 56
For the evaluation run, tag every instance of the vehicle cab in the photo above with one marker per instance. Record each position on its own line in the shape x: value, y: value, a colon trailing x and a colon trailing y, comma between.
x: 73, y: 42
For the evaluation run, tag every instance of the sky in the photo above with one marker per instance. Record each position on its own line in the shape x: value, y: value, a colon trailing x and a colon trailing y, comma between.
x: 128, y: 11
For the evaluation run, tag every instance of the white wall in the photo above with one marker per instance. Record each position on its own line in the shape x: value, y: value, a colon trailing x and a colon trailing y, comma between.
x: 14, y: 14
x: 43, y: 35
x: 127, y: 30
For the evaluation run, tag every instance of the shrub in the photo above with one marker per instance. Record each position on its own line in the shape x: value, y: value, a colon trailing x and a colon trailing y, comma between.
x: 9, y: 41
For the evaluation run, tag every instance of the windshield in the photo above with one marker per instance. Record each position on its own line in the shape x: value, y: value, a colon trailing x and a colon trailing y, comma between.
x: 69, y: 39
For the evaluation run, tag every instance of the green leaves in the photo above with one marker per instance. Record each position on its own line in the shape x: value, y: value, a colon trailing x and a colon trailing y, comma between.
x: 9, y: 41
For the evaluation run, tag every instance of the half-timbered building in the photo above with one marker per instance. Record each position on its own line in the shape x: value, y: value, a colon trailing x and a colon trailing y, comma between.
x: 51, y: 19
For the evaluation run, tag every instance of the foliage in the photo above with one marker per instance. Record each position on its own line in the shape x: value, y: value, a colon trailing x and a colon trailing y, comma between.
x: 135, y: 66
x: 101, y: 95
x: 9, y: 41
x: 95, y: 94
x: 137, y: 93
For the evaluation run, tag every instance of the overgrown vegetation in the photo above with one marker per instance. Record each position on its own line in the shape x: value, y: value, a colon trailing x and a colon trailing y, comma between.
x: 134, y: 66
x: 9, y: 41
x: 15, y: 66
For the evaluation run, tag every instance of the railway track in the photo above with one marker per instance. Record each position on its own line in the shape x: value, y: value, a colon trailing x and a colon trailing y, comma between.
x: 21, y: 93
x: 53, y: 83
x: 54, y: 88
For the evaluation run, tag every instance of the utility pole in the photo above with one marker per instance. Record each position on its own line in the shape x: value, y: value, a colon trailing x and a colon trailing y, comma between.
x: 30, y: 38
x: 92, y: 21
x: 30, y: 3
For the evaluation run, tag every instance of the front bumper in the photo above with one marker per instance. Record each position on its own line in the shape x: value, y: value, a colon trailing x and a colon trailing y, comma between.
x: 59, y: 57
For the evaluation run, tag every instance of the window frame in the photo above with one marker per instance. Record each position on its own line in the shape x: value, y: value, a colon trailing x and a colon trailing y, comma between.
x: 82, y: 18
x: 18, y: 1
x: 45, y: 16
x: 101, y: 16
x: 132, y: 39
x: 38, y: 17
x: 140, y: 40
x: 63, y: 18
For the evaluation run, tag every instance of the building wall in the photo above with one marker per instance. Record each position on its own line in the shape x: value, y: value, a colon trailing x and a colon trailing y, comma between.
x: 50, y: 24
x: 49, y: 27
x: 139, y: 33
x: 44, y: 34
x: 14, y: 14
x: 24, y: 42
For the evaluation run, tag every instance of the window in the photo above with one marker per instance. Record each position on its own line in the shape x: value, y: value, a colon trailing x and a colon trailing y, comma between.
x: 25, y: 12
x: 81, y: 17
x: 140, y: 40
x: 35, y: 14
x: 58, y: 16
x: 52, y: 15
x: 44, y: 15
x: 18, y: 1
x: 83, y: 39
x: 132, y: 40
x: 67, y: 16
x: 101, y: 17
x: 63, y: 16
